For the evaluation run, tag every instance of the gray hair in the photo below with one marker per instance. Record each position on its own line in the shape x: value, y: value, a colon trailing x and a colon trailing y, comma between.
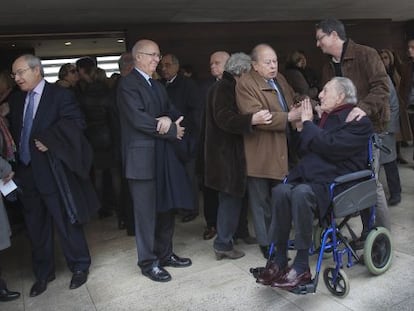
x: 238, y: 63
x: 33, y: 62
x: 174, y: 59
x: 345, y: 86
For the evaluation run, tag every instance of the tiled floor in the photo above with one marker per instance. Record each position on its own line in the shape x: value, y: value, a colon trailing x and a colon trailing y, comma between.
x: 115, y: 282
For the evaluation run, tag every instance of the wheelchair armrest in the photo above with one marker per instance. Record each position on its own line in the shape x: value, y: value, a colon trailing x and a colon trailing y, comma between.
x: 353, y: 176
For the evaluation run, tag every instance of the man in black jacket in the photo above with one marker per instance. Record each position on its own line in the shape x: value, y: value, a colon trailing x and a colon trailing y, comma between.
x: 34, y: 111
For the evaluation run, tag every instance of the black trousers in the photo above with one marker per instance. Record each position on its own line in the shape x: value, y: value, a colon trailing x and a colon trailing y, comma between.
x: 393, y: 178
x: 210, y: 197
x: 43, y: 212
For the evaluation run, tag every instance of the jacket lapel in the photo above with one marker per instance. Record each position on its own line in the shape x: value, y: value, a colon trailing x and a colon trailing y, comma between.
x: 41, y: 112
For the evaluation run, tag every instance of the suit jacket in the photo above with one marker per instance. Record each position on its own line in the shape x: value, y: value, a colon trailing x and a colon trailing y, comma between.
x: 139, y: 106
x: 266, y: 147
x: 56, y: 103
x: 146, y: 154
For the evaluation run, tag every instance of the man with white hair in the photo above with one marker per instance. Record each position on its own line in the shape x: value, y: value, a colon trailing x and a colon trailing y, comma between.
x: 331, y: 148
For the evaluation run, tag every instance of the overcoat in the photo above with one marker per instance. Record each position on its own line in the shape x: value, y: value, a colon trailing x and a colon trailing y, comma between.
x: 266, y: 146
x: 146, y: 154
x: 225, y: 163
x: 336, y: 149
x: 363, y: 66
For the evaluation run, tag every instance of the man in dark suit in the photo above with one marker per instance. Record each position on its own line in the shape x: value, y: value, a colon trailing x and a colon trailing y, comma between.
x: 146, y: 130
x: 185, y: 95
x: 34, y: 113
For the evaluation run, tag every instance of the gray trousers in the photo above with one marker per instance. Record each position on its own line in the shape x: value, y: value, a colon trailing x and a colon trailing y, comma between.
x: 153, y: 231
x: 227, y: 221
x: 259, y: 190
x: 292, y: 204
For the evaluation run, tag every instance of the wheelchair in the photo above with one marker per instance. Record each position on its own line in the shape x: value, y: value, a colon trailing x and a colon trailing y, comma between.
x: 330, y: 240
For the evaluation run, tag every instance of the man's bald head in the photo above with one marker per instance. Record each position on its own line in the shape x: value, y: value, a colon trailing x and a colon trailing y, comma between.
x: 217, y: 61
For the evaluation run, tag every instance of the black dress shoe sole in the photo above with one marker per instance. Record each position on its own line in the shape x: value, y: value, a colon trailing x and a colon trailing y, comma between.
x: 157, y: 279
x: 175, y: 265
x: 9, y: 296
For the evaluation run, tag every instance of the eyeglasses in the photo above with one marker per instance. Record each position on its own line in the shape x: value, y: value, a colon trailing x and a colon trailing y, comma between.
x: 19, y: 73
x: 269, y: 61
x: 321, y: 37
x: 155, y: 55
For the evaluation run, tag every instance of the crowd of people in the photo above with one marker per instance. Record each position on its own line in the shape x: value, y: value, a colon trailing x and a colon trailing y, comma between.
x: 144, y: 143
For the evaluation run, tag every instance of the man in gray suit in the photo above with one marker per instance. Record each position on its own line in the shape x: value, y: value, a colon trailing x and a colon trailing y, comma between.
x: 147, y: 130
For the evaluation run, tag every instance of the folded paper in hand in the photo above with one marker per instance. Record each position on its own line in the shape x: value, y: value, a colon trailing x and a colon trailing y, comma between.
x: 5, y: 189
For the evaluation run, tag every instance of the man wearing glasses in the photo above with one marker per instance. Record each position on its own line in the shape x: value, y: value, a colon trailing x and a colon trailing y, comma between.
x: 39, y: 115
x: 363, y: 66
x: 266, y: 149
x: 148, y: 132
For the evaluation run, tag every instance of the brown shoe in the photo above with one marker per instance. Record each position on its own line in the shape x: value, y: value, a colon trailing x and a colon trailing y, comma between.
x: 209, y: 233
x: 291, y: 279
x: 272, y: 273
x: 232, y: 254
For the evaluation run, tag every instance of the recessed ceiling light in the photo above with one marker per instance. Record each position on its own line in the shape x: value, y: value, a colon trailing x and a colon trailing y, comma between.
x: 120, y: 40
x: 67, y: 43
x: 13, y: 45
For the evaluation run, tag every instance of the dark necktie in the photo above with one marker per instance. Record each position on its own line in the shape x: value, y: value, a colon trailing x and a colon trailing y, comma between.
x: 27, y: 127
x: 281, y: 98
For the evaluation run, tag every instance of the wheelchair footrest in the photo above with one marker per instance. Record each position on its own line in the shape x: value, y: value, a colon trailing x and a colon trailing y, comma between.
x: 309, y: 288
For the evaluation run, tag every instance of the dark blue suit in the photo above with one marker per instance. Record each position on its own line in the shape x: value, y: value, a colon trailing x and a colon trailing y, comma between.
x: 42, y: 205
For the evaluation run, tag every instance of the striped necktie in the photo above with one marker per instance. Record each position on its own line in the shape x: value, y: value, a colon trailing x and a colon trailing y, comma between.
x: 281, y: 98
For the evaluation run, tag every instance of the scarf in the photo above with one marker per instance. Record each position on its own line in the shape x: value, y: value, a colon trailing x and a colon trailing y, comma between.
x: 9, y: 147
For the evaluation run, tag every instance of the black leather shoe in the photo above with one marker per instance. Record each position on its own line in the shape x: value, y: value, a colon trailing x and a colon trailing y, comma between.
x: 176, y: 262
x: 78, y: 279
x: 157, y: 274
x: 265, y: 251
x: 40, y: 286
x: 121, y: 224
x: 7, y: 295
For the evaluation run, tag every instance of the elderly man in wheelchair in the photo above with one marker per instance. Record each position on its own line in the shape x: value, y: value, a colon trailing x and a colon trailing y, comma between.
x: 328, y: 149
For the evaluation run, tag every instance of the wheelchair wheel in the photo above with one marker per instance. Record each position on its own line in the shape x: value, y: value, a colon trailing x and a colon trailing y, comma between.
x: 378, y: 251
x: 339, y: 287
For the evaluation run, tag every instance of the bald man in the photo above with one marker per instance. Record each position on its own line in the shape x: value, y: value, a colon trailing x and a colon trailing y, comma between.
x: 147, y: 131
x: 266, y: 148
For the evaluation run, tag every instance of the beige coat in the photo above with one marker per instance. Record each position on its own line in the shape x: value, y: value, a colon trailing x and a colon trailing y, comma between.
x: 266, y: 147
